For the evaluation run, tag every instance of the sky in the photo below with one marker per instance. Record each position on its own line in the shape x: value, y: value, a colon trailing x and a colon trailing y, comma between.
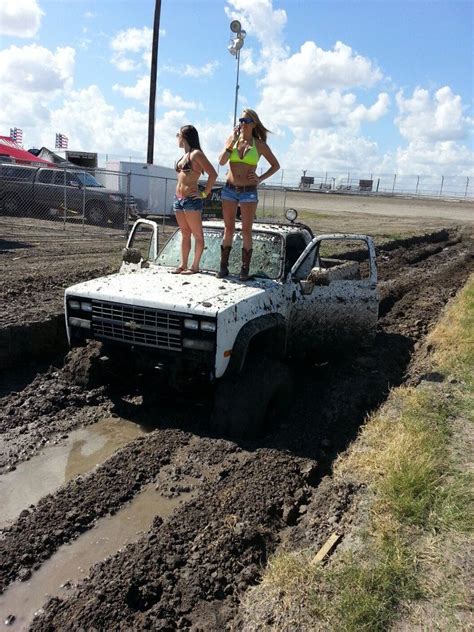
x: 375, y: 86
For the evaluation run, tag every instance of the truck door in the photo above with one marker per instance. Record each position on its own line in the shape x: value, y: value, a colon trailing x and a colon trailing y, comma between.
x: 334, y: 293
x: 142, y: 245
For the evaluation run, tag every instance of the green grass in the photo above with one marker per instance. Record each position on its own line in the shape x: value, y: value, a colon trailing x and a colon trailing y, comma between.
x: 412, y: 457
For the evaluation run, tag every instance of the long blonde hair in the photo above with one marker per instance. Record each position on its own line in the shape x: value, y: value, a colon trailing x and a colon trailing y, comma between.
x: 259, y: 131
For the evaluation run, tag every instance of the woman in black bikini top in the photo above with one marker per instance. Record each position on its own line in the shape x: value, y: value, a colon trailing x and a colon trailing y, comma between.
x: 188, y: 200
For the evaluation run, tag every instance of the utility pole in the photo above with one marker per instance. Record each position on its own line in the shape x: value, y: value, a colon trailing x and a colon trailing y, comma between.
x: 153, y: 73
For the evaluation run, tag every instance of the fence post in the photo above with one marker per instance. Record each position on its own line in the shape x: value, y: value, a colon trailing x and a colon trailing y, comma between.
x: 417, y: 183
x: 65, y: 199
x: 165, y: 207
x: 127, y: 203
x: 348, y: 179
x: 467, y: 186
x: 394, y: 180
x: 441, y: 187
x: 84, y: 207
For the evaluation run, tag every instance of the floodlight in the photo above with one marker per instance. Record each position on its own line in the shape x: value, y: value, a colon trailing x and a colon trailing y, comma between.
x: 235, y: 26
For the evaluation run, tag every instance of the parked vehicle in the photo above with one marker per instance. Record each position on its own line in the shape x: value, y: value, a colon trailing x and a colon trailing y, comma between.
x: 54, y: 192
x: 306, y: 292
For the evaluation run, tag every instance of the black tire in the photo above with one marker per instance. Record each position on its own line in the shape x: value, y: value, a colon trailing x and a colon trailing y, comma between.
x: 96, y: 213
x: 11, y: 205
x: 248, y: 404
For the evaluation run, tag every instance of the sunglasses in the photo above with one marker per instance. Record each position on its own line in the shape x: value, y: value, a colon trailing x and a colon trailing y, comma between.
x: 246, y: 119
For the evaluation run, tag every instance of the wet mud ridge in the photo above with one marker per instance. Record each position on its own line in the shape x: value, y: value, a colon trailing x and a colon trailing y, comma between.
x: 215, y: 510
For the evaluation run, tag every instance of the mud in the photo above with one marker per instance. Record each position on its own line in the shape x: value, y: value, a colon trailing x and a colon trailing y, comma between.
x: 190, y: 568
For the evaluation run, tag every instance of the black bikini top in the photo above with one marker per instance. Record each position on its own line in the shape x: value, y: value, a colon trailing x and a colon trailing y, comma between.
x: 186, y: 166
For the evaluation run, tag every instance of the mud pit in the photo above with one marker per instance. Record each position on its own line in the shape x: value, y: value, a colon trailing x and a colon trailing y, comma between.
x: 232, y: 504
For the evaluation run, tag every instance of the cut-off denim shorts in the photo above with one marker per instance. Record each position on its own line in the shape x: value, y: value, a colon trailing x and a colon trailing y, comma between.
x: 187, y: 204
x: 240, y: 195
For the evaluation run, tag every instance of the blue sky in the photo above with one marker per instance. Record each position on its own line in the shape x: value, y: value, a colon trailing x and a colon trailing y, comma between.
x: 379, y: 86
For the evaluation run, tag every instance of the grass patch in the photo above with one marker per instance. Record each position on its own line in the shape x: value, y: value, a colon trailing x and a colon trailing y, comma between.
x: 410, y: 455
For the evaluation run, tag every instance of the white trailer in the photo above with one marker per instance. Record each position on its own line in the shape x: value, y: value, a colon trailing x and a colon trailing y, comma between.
x: 152, y: 186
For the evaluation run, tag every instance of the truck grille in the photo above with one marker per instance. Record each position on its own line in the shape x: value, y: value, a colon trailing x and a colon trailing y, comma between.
x: 136, y: 325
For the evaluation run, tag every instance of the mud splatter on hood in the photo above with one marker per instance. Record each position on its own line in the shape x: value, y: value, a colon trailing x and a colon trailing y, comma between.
x: 157, y: 288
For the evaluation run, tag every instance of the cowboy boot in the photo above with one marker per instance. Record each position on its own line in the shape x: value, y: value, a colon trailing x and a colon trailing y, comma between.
x: 244, y: 270
x: 224, y: 267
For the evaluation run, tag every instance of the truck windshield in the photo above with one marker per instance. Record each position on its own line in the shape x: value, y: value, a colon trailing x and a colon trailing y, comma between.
x: 266, y: 258
x: 87, y: 180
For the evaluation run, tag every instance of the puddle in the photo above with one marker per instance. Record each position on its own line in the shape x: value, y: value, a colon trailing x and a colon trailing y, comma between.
x: 72, y: 562
x: 56, y: 465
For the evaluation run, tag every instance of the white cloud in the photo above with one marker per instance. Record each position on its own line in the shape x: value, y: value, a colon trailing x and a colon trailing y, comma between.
x: 188, y: 70
x: 35, y: 69
x: 373, y: 113
x: 439, y: 158
x: 434, y: 126
x: 338, y: 151
x: 424, y: 117
x: 264, y: 23
x: 141, y: 92
x: 89, y: 14
x: 20, y: 18
x: 313, y: 68
x: 132, y: 41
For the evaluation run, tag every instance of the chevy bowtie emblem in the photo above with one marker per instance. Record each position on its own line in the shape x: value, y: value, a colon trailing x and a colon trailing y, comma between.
x: 131, y: 324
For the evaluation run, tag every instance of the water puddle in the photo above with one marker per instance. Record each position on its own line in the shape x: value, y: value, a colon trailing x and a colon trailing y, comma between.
x: 72, y: 562
x: 56, y: 465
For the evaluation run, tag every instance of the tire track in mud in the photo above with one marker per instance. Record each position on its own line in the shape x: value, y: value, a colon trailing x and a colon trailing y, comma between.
x: 219, y: 541
x: 75, y: 507
x: 175, y: 575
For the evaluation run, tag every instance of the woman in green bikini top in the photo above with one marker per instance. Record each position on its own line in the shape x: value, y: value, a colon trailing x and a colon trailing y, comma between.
x: 242, y: 151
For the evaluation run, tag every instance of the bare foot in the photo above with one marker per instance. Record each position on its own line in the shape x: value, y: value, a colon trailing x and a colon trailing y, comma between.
x: 179, y: 270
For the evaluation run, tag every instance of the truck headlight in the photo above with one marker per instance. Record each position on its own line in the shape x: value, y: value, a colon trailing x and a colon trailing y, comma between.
x: 208, y: 325
x: 86, y: 307
x: 199, y: 345
x: 189, y: 323
x: 74, y: 304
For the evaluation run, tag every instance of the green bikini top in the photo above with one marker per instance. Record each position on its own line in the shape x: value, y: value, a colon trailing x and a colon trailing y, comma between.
x: 251, y: 157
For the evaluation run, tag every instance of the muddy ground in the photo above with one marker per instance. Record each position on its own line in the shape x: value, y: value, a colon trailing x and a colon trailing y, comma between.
x: 186, y: 565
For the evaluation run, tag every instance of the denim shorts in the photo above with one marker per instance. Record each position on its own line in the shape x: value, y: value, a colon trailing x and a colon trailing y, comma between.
x: 187, y: 204
x: 239, y: 196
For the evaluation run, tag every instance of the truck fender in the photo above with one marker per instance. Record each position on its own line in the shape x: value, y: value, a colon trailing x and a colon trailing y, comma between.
x: 264, y: 328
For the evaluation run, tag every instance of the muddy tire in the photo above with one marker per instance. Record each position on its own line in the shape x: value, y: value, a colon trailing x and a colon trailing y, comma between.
x: 247, y: 405
x: 96, y: 213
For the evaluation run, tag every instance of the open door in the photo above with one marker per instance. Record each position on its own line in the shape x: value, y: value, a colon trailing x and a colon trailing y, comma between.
x: 142, y: 245
x: 334, y: 285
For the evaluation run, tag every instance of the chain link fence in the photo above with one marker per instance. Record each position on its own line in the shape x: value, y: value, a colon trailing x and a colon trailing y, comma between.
x: 91, y: 200
x: 72, y: 196
x: 446, y: 187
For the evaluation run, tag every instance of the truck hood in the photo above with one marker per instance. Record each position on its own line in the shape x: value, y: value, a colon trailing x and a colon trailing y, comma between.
x: 157, y: 288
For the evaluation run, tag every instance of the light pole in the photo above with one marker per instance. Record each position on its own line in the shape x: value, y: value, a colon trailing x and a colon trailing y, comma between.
x: 235, y: 44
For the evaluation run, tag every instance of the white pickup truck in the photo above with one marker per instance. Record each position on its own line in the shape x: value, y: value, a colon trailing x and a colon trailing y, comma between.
x: 306, y: 292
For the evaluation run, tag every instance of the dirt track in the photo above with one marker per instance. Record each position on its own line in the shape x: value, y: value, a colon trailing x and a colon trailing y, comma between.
x: 187, y: 569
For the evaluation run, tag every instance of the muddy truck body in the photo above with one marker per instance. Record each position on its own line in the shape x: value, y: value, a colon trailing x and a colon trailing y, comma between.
x: 306, y: 292
x: 52, y: 192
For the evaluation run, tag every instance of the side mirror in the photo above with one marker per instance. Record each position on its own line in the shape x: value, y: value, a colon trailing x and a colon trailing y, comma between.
x: 307, y: 287
x: 131, y: 255
x: 75, y: 183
